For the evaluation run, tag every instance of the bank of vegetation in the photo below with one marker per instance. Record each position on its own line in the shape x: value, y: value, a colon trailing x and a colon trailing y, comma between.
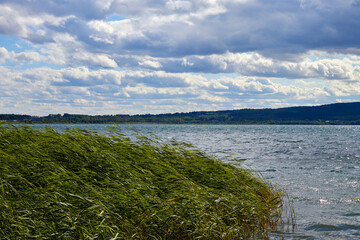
x: 80, y: 184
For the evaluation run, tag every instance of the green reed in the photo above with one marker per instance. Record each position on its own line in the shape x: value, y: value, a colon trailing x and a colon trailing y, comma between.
x: 79, y: 184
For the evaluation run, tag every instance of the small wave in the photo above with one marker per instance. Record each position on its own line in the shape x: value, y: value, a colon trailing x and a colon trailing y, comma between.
x: 271, y: 170
x: 324, y: 201
x: 336, y: 201
x: 314, y: 189
x: 331, y: 228
x: 323, y: 227
x: 353, y: 167
x: 353, y: 214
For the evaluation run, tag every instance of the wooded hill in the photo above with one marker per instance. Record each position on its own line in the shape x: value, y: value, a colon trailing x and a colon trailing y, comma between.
x: 338, y: 113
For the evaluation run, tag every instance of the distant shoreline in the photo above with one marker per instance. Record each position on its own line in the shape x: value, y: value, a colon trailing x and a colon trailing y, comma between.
x: 331, y: 114
x: 215, y: 124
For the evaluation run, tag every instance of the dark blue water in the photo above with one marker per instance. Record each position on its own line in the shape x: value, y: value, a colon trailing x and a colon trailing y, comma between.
x: 318, y: 166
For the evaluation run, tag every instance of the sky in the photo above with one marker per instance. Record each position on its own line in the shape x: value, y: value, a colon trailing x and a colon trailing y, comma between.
x: 164, y: 56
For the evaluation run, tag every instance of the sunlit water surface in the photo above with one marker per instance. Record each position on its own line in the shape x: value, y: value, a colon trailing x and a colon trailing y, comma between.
x: 318, y: 166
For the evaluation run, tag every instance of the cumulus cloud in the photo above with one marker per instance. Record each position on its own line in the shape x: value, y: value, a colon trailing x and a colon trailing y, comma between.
x: 254, y: 64
x: 21, y: 57
x: 4, y: 54
x: 150, y: 64
x: 29, y: 57
x: 82, y: 90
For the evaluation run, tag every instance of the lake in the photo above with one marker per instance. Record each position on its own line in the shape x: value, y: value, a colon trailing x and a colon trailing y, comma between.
x: 318, y: 166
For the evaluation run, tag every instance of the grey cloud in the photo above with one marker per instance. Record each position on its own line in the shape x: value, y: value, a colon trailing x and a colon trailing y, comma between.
x: 82, y: 8
x: 179, y: 5
x: 264, y: 26
x: 276, y: 29
x: 9, y: 24
x: 40, y: 38
x: 157, y: 79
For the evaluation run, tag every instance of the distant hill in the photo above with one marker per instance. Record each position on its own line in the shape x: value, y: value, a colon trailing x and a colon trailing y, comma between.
x: 338, y: 113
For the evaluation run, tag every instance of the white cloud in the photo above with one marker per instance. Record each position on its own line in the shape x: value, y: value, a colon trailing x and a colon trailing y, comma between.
x: 4, y: 54
x: 339, y: 89
x: 150, y: 64
x: 95, y: 60
x: 28, y: 57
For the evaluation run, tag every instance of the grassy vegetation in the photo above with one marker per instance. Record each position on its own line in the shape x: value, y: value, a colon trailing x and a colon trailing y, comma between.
x: 83, y: 185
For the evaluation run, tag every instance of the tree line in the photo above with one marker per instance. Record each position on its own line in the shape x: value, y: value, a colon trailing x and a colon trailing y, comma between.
x: 340, y: 113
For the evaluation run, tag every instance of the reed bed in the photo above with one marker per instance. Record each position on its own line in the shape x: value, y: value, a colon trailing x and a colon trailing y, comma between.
x: 80, y: 184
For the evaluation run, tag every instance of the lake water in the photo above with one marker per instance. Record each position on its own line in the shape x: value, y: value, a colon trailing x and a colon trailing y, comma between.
x: 318, y: 166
